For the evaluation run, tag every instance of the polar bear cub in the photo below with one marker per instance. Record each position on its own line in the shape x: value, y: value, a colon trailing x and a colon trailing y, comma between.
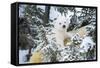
x: 60, y: 30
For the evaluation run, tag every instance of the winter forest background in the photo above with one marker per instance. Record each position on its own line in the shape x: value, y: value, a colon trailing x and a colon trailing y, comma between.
x: 35, y: 33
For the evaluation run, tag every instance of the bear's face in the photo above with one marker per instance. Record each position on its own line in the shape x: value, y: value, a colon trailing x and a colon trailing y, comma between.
x: 61, y: 23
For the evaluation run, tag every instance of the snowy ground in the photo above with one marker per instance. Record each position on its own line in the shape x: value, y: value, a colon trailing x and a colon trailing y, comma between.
x: 22, y: 56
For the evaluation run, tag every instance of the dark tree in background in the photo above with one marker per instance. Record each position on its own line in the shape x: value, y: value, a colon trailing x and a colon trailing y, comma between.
x: 88, y: 16
x: 24, y: 30
x: 32, y: 21
x: 46, y: 15
x: 36, y: 19
x: 73, y: 20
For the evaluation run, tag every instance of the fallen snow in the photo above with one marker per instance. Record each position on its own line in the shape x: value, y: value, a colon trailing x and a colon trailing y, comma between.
x: 53, y: 13
x: 22, y: 56
x: 86, y: 43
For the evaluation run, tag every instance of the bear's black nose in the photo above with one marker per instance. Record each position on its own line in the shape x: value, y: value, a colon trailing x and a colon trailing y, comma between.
x: 64, y: 26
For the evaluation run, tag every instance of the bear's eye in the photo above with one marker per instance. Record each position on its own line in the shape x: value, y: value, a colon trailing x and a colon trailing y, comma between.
x: 60, y: 23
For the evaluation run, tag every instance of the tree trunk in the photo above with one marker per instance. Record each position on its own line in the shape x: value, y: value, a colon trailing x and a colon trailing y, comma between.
x: 46, y: 15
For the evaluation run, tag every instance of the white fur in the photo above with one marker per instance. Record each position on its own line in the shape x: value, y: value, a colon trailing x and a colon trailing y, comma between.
x: 61, y: 33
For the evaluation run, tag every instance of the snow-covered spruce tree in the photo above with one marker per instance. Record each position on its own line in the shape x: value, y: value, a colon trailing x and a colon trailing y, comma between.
x: 25, y: 41
x: 88, y: 15
x: 88, y: 18
x: 74, y: 20
x: 91, y: 54
x: 34, y: 20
